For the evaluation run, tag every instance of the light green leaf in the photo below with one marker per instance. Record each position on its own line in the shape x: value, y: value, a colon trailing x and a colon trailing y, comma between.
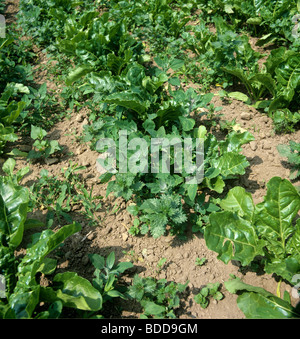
x: 257, y: 303
x: 13, y: 211
x: 77, y: 73
x: 239, y: 201
x: 231, y: 164
x: 74, y: 291
x: 274, y: 216
x: 128, y: 100
x: 232, y: 237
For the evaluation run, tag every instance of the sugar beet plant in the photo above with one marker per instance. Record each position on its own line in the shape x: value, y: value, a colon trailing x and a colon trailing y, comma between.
x: 23, y: 292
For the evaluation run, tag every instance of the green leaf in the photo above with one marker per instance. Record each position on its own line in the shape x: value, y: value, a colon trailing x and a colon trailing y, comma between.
x: 48, y: 266
x: 128, y: 100
x: 97, y: 260
x: 239, y: 201
x: 37, y: 132
x: 239, y: 96
x: 288, y: 72
x: 257, y: 303
x: 110, y: 260
x: 123, y: 266
x: 234, y: 141
x: 77, y: 73
x: 232, y: 237
x: 192, y: 191
x: 230, y: 164
x: 265, y: 80
x: 254, y: 21
x: 13, y: 211
x: 275, y: 214
x: 243, y: 78
x: 73, y: 291
x: 151, y: 308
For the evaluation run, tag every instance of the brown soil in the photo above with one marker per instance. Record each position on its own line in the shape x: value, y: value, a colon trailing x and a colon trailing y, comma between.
x: 145, y: 252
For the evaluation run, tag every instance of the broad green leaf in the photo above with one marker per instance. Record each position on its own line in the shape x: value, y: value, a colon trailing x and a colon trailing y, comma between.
x: 37, y: 132
x: 241, y: 75
x: 257, y: 303
x: 230, y: 164
x: 288, y: 72
x: 128, y: 100
x: 24, y: 302
x: 48, y: 266
x: 12, y: 111
x: 254, y: 21
x: 239, y: 201
x: 214, y: 183
x: 234, y: 141
x: 275, y: 214
x: 171, y: 113
x: 13, y: 211
x: 97, y: 260
x: 152, y: 308
x: 73, y: 291
x: 256, y: 306
x: 192, y: 191
x: 232, y: 237
x: 123, y: 266
x: 239, y: 96
x: 77, y: 73
x: 265, y: 80
x: 265, y: 39
x: 43, y: 244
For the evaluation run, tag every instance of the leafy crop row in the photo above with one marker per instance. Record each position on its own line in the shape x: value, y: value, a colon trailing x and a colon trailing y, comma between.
x: 129, y: 62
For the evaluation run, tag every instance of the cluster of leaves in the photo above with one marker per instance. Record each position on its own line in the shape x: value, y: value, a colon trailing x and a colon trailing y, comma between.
x: 243, y: 231
x: 59, y: 196
x: 112, y: 68
x: 44, y: 20
x: 279, y: 80
x: 158, y: 298
x: 42, y: 148
x: 270, y: 20
x: 209, y: 291
x: 21, y: 99
x: 229, y: 57
x: 266, y: 232
x: 9, y: 112
x: 23, y: 290
x: 107, y: 274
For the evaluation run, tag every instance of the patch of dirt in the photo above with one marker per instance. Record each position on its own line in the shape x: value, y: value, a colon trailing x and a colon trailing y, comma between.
x: 145, y: 252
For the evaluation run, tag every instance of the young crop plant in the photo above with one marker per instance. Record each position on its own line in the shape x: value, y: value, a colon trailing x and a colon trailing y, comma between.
x: 106, y: 276
x: 23, y: 291
x: 158, y: 298
x: 42, y: 148
x: 243, y: 231
x: 206, y: 293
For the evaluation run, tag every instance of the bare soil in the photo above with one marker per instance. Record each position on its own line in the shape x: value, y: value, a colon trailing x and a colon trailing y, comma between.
x: 145, y: 252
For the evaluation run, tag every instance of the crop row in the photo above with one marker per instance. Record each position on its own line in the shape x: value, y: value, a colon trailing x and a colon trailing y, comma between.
x: 113, y: 60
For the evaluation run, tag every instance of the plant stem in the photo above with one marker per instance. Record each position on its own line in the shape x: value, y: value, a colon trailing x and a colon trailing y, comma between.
x: 278, y: 288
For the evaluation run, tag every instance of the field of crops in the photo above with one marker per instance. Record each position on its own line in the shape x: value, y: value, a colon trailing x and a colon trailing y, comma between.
x: 149, y: 159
